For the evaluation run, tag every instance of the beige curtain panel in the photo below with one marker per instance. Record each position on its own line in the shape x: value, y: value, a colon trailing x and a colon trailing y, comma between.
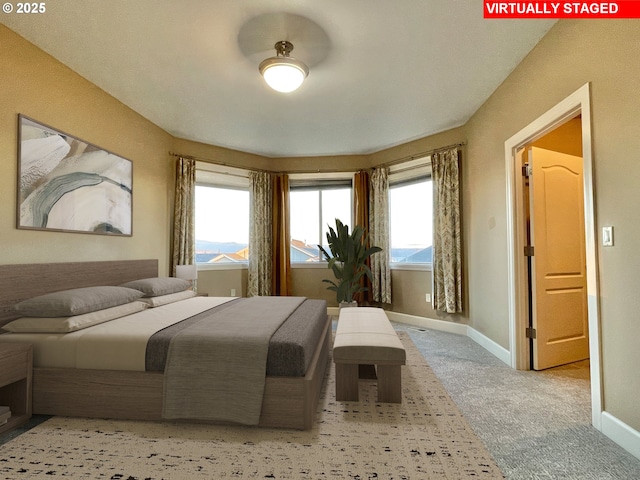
x: 184, y: 214
x: 447, y: 243
x: 379, y: 234
x: 260, y: 234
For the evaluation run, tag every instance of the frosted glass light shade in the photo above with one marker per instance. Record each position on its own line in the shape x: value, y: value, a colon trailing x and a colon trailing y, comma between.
x: 283, y: 74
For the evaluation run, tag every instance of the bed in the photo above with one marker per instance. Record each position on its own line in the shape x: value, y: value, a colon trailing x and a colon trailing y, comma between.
x: 289, y: 400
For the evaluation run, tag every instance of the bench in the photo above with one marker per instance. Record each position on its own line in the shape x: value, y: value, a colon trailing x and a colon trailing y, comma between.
x: 366, y: 337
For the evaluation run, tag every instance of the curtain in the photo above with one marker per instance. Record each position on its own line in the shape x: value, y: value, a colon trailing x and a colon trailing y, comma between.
x: 361, y: 217
x: 281, y: 264
x: 379, y: 234
x: 261, y: 190
x: 447, y: 250
x: 184, y: 214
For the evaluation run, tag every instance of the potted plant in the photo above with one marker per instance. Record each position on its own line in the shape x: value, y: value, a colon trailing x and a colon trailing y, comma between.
x: 349, y: 253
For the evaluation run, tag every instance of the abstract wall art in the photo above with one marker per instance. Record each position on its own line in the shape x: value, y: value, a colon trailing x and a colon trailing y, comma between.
x: 68, y: 185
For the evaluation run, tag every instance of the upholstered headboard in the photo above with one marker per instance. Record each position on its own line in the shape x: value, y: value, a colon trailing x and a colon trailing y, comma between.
x: 21, y: 281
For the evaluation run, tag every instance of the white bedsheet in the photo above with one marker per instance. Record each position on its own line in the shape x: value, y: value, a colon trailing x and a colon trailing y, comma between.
x: 119, y: 344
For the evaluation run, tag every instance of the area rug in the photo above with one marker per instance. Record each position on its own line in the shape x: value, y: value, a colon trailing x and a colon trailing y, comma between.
x: 424, y: 437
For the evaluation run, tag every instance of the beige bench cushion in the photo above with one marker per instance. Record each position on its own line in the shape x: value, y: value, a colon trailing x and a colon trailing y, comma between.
x: 365, y: 336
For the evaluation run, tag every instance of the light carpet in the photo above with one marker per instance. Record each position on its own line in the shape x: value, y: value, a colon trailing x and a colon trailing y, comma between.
x: 424, y: 437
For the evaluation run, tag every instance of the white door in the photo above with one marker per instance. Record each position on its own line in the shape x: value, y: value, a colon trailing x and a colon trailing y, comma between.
x: 559, y: 290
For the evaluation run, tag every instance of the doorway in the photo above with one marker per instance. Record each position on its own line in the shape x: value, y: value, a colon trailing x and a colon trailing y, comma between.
x: 577, y: 104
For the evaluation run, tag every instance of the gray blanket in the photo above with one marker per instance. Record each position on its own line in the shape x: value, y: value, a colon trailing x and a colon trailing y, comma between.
x: 222, y: 378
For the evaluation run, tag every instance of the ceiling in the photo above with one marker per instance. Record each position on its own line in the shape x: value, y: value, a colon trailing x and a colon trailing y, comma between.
x: 382, y: 73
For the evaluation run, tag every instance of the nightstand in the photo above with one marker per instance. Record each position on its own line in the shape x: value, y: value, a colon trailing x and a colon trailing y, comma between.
x: 16, y: 362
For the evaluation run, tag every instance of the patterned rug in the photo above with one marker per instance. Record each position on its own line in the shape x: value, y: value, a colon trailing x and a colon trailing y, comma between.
x: 424, y: 437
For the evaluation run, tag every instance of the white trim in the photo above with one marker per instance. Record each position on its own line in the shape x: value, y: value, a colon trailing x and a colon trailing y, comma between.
x: 492, y: 347
x: 621, y: 433
x: 221, y: 176
x: 460, y: 329
x: 577, y: 102
x: 222, y: 169
x: 410, y: 169
x: 319, y: 176
x: 318, y: 264
x: 420, y: 267
x: 424, y: 322
x: 223, y: 266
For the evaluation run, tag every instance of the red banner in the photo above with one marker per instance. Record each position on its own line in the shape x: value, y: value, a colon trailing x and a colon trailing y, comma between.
x: 562, y: 9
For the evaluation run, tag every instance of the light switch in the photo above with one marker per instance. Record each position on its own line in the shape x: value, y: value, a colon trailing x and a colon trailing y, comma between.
x: 607, y: 236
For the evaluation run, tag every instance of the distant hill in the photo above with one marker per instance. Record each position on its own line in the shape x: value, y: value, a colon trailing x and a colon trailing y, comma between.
x: 412, y: 255
x: 204, y: 246
x: 206, y: 250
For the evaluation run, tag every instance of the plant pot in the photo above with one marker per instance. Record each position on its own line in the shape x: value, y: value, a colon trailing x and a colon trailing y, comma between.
x: 352, y: 303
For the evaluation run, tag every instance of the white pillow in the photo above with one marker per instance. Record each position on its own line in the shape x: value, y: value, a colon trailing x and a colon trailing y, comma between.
x: 170, y: 298
x: 71, y: 324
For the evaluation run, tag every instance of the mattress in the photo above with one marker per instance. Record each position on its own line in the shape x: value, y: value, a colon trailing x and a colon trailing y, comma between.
x: 138, y: 342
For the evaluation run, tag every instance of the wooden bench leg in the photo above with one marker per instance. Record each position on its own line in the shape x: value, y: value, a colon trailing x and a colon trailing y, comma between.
x: 390, y: 383
x: 346, y: 382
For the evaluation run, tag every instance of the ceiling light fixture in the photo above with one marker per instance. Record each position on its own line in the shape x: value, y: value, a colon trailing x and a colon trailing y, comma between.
x: 282, y: 72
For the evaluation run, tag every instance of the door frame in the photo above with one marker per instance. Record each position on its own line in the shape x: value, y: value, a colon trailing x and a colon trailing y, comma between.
x: 576, y: 103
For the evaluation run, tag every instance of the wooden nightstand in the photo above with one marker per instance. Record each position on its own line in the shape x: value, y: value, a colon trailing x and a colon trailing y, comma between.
x: 16, y: 362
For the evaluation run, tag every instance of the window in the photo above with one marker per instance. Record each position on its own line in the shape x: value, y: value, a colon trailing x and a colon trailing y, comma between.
x: 314, y: 206
x: 411, y: 213
x: 221, y: 216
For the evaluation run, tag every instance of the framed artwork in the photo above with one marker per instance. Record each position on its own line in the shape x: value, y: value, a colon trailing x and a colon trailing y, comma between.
x: 68, y: 185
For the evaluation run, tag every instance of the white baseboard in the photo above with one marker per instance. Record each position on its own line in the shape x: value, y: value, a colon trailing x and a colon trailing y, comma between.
x: 458, y: 328
x: 496, y: 349
x: 621, y: 433
x: 425, y: 322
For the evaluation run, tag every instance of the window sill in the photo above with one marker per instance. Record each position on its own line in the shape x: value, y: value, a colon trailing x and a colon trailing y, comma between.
x: 322, y: 265
x: 418, y: 267
x: 203, y: 267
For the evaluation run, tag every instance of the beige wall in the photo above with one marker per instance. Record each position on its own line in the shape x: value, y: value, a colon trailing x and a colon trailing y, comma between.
x: 219, y: 283
x: 570, y: 55
x: 426, y: 144
x: 34, y: 84
x: 220, y: 154
x: 307, y: 282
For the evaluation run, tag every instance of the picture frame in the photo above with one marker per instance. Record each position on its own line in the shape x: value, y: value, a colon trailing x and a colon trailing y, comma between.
x: 66, y: 184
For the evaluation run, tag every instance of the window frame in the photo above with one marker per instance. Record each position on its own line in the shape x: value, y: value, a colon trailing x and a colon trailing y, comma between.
x: 320, y: 181
x: 231, y: 178
x: 405, y: 173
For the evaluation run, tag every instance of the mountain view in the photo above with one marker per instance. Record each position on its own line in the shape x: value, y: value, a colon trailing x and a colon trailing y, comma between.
x: 226, y: 252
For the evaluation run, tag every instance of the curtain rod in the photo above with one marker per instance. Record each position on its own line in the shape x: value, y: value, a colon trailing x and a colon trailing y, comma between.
x: 421, y: 154
x: 386, y: 164
x: 217, y: 162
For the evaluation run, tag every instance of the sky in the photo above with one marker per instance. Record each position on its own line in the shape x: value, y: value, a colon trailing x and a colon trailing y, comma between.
x: 224, y: 207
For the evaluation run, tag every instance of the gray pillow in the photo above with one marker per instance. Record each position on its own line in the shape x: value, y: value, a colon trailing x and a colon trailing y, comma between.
x: 76, y: 301
x: 156, y: 286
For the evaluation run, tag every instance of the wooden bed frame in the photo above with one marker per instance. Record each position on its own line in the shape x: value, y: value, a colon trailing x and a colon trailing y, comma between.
x: 288, y: 402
